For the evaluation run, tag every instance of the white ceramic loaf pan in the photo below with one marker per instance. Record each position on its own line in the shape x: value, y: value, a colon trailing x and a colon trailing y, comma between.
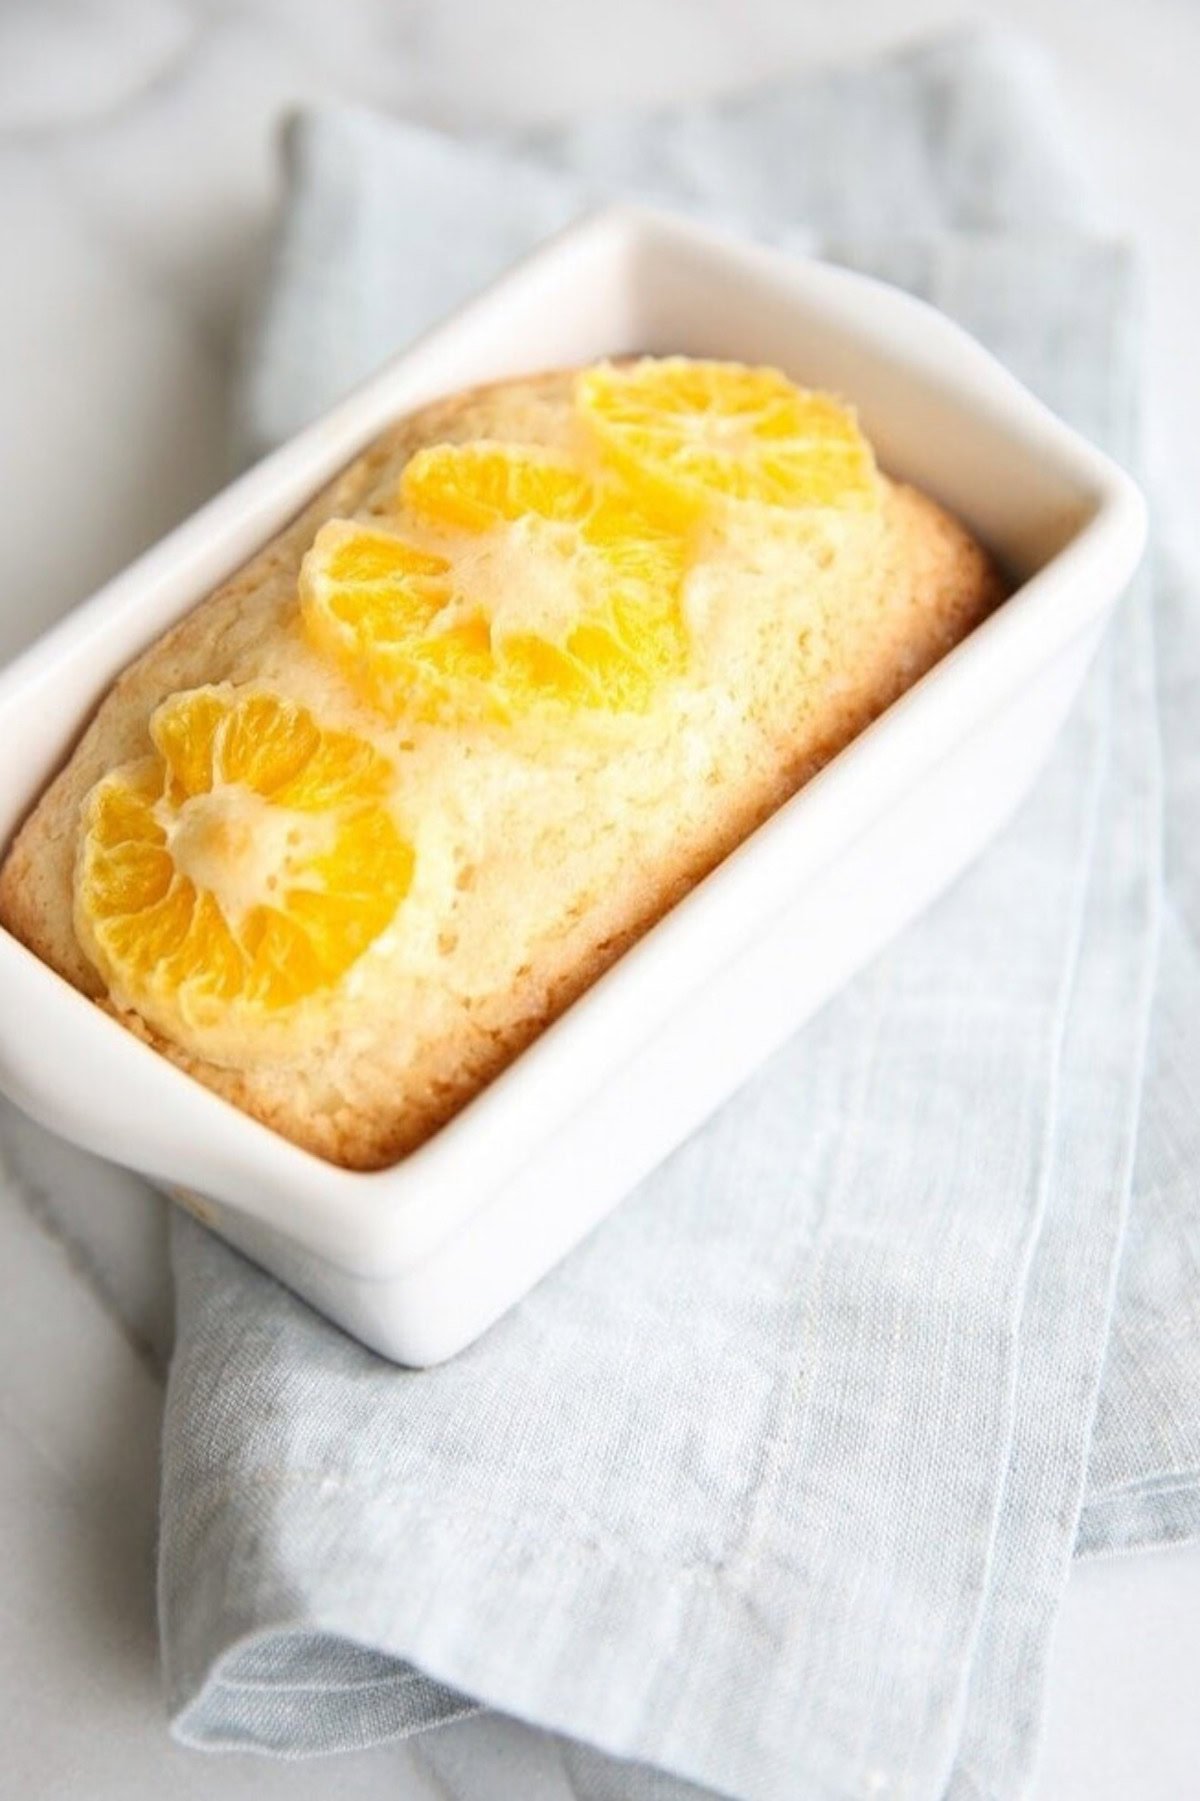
x: 419, y: 1259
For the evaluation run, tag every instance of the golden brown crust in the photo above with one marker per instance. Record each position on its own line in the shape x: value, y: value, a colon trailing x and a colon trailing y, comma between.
x: 364, y: 1100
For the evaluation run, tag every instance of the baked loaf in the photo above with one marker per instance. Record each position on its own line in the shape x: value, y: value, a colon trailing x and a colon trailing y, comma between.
x: 375, y: 812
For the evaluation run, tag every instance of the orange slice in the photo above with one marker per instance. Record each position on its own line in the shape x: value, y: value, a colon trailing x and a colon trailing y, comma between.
x: 243, y: 867
x: 686, y: 434
x: 516, y: 582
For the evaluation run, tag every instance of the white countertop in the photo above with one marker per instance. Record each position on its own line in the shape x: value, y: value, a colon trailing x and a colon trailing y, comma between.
x: 136, y: 172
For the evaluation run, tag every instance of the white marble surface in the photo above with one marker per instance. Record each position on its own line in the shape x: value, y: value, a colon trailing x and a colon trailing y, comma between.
x: 136, y: 171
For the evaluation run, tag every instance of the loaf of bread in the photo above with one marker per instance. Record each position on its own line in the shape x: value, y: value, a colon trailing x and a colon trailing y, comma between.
x: 366, y: 820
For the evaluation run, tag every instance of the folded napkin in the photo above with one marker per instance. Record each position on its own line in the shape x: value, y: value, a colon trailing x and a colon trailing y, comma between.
x: 773, y: 1486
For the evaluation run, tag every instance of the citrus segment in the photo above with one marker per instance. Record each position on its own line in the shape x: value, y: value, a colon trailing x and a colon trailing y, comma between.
x: 483, y: 484
x: 369, y: 600
x: 686, y: 433
x: 240, y: 869
x: 539, y: 587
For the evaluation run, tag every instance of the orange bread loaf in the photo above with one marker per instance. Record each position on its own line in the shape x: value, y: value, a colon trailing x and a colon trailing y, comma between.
x: 352, y: 833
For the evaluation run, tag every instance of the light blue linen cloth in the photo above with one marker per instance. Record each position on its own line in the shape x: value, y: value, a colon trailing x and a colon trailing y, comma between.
x: 774, y: 1484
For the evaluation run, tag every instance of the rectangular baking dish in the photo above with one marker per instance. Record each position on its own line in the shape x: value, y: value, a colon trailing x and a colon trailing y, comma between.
x: 419, y: 1259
